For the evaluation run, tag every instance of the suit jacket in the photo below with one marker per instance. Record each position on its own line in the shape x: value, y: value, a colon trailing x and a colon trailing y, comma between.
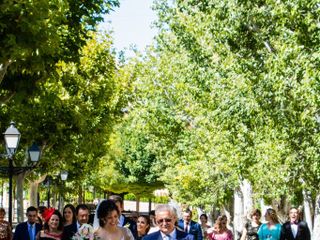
x: 195, y: 229
x: 157, y: 236
x: 22, y: 233
x: 69, y: 231
x: 302, y: 234
x: 131, y: 225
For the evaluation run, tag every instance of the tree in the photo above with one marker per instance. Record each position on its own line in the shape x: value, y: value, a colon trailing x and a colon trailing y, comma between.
x: 231, y: 86
x: 35, y: 35
x: 72, y: 113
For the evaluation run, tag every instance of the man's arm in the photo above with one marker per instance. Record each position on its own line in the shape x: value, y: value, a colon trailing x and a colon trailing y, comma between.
x: 199, y: 235
x: 307, y: 230
x: 17, y: 232
x: 283, y: 232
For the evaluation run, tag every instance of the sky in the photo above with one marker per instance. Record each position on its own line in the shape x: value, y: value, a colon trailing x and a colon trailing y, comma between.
x: 131, y: 24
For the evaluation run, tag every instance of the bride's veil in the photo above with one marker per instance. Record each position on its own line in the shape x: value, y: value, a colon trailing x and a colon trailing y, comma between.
x: 96, y: 219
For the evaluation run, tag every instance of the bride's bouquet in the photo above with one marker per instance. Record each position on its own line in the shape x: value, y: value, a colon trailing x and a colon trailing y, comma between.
x: 85, y: 232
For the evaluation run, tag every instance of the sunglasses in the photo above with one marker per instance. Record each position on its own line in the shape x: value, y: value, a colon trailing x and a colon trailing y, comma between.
x: 167, y: 220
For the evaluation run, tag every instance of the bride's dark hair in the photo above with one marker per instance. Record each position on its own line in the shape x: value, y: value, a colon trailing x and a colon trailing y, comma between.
x: 105, y: 208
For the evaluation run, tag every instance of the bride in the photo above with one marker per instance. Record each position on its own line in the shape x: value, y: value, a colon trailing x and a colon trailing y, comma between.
x: 107, y: 215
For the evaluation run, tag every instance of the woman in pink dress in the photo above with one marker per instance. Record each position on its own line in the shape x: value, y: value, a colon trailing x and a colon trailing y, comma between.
x: 220, y: 230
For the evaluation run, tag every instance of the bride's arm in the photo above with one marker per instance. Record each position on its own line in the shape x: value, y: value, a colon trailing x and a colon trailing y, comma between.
x: 127, y: 234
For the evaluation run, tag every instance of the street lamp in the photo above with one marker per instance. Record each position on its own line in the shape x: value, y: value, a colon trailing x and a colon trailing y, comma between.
x: 64, y: 175
x: 34, y: 153
x: 12, y: 138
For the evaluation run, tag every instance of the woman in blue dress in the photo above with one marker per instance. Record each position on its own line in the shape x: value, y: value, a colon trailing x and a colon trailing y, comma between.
x: 272, y: 229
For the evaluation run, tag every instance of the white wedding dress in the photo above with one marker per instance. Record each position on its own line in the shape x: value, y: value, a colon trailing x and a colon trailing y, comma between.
x: 126, y: 233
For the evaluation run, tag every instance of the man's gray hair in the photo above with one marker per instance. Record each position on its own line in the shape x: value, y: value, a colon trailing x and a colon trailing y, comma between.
x: 166, y: 208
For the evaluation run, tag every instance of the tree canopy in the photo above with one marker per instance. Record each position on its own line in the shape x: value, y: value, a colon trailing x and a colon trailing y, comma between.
x: 229, y: 92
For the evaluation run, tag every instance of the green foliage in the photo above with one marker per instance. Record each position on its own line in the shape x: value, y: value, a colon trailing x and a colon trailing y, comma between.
x: 230, y: 92
x: 72, y: 113
x: 35, y: 35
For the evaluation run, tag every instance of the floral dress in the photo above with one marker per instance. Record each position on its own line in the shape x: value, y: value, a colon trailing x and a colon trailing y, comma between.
x: 5, y: 231
x: 252, y: 232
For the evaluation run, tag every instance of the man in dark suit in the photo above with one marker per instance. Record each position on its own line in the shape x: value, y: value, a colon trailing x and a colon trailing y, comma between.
x: 295, y: 229
x: 190, y: 226
x: 29, y: 229
x: 82, y: 215
x: 123, y: 220
x: 166, y: 217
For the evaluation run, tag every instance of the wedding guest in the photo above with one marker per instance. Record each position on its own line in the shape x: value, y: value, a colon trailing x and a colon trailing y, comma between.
x: 190, y: 226
x: 272, y: 229
x: 295, y: 229
x: 166, y: 217
x: 250, y: 231
x: 143, y: 226
x: 53, y: 226
x: 204, y: 225
x: 220, y: 230
x: 69, y: 221
x: 29, y: 229
x: 5, y: 228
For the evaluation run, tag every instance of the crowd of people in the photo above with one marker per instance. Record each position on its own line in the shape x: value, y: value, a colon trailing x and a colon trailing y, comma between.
x: 293, y: 229
x: 109, y: 223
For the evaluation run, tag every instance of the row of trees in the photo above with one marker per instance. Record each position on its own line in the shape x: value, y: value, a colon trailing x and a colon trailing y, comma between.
x: 228, y: 97
x: 59, y: 83
x: 225, y: 102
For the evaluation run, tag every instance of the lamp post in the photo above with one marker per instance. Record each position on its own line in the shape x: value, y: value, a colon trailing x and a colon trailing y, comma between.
x: 48, y: 182
x: 64, y: 176
x: 12, y: 138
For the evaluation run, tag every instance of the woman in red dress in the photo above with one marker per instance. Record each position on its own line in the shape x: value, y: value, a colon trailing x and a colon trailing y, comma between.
x: 53, y: 226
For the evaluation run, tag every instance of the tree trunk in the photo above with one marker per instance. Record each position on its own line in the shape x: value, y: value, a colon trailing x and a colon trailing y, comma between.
x: 246, y: 190
x: 54, y: 197
x: 2, y: 193
x: 150, y: 204
x: 138, y: 205
x: 80, y: 197
x: 264, y: 209
x: 20, y: 210
x: 3, y: 69
x: 61, y: 202
x: 34, y: 191
x: 316, y: 226
x: 307, y: 208
x: 238, y: 213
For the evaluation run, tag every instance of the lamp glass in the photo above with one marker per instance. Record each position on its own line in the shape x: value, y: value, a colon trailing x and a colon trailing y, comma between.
x: 34, y: 153
x: 64, y: 175
x: 11, y: 137
x: 12, y: 141
x: 34, y: 156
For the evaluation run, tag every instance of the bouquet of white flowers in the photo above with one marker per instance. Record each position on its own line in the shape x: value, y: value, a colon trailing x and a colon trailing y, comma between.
x: 85, y: 232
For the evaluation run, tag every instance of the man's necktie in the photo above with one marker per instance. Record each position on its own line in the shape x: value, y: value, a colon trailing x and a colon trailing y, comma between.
x: 31, y: 236
x: 186, y: 227
x: 168, y: 237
